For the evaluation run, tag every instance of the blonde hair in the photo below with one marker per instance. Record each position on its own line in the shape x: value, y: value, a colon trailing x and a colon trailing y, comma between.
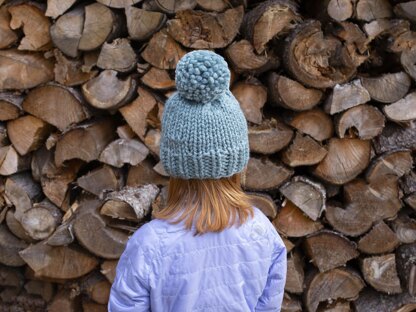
x: 211, y: 204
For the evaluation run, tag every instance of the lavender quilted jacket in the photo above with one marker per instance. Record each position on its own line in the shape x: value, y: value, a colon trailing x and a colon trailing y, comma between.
x: 165, y: 268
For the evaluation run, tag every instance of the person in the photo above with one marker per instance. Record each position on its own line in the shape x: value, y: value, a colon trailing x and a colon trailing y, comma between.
x: 209, y: 248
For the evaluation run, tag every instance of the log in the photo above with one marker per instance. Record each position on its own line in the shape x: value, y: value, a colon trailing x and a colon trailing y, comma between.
x: 381, y: 239
x: 58, y: 7
x: 66, y: 32
x: 264, y: 174
x: 291, y: 94
x: 269, y: 137
x: 27, y: 133
x: 269, y: 19
x: 387, y: 88
x: 117, y: 55
x: 16, y: 228
x: 142, y: 24
x: 162, y: 51
x: 101, y: 180
x: 124, y: 151
x: 406, y: 266
x: 171, y: 7
x: 107, y: 91
x: 265, y: 203
x: 158, y: 79
x: 395, y: 137
x: 407, y: 59
x: 252, y: 96
x: 64, y: 302
x: 85, y: 142
x: 24, y: 70
x: 144, y: 173
x: 11, y: 277
x: 93, y: 234
x: 405, y: 228
x: 70, y: 72
x: 362, y: 121
x: 219, y: 28
x: 331, y: 285
x: 380, y: 272
x: 108, y: 269
x: 295, y: 274
x: 8, y: 37
x: 243, y: 59
x: 291, y: 304
x: 10, y: 105
x: 118, y: 4
x: 44, y: 289
x: 373, y: 301
x: 406, y: 10
x: 403, y: 110
x: 346, y: 96
x: 291, y: 221
x: 41, y: 102
x: 303, y: 151
x: 345, y: 160
x: 35, y: 26
x: 96, y: 287
x: 309, y: 65
x: 12, y: 162
x: 314, y: 123
x: 306, y: 194
x: 152, y: 141
x: 10, y: 247
x: 368, y: 10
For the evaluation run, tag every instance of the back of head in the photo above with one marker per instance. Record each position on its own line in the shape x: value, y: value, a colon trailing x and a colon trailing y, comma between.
x: 204, y: 146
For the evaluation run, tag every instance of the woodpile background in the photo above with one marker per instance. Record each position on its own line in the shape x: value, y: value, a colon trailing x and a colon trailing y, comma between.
x: 327, y: 87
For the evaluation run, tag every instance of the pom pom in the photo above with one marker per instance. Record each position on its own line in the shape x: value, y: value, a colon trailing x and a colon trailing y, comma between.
x: 202, y: 75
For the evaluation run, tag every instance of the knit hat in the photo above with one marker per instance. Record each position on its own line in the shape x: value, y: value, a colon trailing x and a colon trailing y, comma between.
x: 204, y: 132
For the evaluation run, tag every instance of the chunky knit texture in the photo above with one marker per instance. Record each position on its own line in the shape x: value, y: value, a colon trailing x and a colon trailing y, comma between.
x: 204, y: 131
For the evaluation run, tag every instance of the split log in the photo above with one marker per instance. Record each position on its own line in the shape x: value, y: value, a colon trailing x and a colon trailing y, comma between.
x: 381, y: 239
x: 41, y: 288
x: 63, y: 301
x: 407, y: 59
x: 122, y: 151
x: 108, y: 269
x: 27, y: 133
x: 96, y: 287
x: 264, y: 174
x: 58, y: 7
x: 158, y: 79
x: 362, y: 121
x: 136, y: 113
x: 269, y: 137
x: 101, y: 180
x: 121, y: 204
x: 101, y: 25
x: 41, y: 221
x: 35, y: 26
x: 314, y: 123
x: 291, y: 221
x: 219, y: 28
x: 307, y: 195
x: 346, y: 96
x: 389, y: 165
x: 373, y: 301
x: 243, y: 59
x: 380, y: 272
x: 11, y: 277
x: 160, y: 169
x: 405, y: 228
x: 368, y: 10
x: 387, y: 88
x: 290, y: 304
x: 331, y: 285
x: 143, y: 174
x: 117, y: 55
x: 125, y: 132
x: 265, y: 203
x: 395, y: 137
x: 93, y: 233
x: 10, y: 247
x: 303, y: 151
x: 70, y: 72
x: 295, y: 274
x: 66, y: 32
x: 406, y: 10
x: 16, y: 228
x: 24, y: 70
x: 171, y: 7
x: 12, y: 162
x: 403, y: 110
x: 309, y: 64
x: 8, y: 37
x: 328, y: 250
x: 41, y: 102
x: 345, y: 160
x: 63, y: 235
x: 142, y: 24
x: 269, y: 19
x: 118, y: 4
x: 91, y: 306
x: 406, y: 266
x: 252, y: 96
x: 152, y: 141
x: 10, y: 105
x: 162, y: 51
x: 85, y: 142
x: 291, y: 94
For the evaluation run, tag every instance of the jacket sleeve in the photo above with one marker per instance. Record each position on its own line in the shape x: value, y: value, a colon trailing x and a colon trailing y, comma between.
x: 272, y: 296
x: 130, y: 291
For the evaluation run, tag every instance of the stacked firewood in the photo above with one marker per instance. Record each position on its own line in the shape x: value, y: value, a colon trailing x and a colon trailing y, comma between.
x: 328, y: 90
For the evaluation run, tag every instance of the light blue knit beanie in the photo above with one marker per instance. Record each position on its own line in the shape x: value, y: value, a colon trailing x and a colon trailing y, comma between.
x: 204, y: 132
